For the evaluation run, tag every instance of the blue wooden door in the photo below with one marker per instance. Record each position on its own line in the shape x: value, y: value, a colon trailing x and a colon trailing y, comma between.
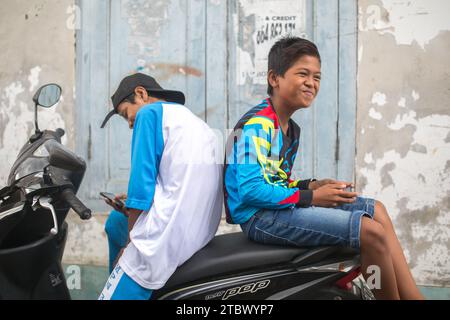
x: 216, y: 53
x: 165, y: 39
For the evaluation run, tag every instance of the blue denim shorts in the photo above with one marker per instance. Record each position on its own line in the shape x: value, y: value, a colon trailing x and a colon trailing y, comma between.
x: 311, y: 226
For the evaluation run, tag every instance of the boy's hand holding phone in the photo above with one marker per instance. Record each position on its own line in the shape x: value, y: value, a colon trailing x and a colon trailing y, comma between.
x: 116, y: 201
x: 313, y: 185
x: 332, y: 195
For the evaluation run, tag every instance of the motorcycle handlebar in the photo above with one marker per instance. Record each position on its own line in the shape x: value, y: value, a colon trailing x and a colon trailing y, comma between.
x: 69, y: 196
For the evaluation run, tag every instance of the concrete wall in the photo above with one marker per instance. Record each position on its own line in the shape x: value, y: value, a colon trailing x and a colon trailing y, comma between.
x: 403, y: 122
x: 37, y: 47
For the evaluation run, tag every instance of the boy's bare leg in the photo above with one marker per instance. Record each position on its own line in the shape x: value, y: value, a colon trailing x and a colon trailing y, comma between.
x: 406, y: 285
x: 375, y: 252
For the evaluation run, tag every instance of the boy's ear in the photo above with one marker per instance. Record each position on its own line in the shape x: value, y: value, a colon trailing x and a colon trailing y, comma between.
x: 141, y: 92
x: 272, y: 78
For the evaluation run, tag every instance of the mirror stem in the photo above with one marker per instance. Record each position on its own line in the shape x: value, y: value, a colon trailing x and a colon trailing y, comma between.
x: 36, y: 119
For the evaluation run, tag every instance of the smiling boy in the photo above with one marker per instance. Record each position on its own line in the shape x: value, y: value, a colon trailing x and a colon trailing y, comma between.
x: 273, y: 209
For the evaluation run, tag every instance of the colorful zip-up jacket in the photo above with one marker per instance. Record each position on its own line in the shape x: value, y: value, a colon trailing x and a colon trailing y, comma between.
x: 258, y: 163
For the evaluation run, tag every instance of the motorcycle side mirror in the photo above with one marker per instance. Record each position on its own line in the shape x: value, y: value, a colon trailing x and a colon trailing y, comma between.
x: 46, y: 96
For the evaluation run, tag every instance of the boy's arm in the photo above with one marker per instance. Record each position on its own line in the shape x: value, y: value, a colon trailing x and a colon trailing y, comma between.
x: 146, y: 151
x: 133, y: 215
x: 252, y: 167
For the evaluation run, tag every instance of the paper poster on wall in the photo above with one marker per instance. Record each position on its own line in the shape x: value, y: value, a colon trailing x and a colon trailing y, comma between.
x: 271, y: 21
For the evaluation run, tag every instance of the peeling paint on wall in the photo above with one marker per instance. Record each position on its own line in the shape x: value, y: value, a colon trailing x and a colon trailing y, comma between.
x: 165, y: 71
x: 430, y: 131
x: 33, y: 78
x: 379, y: 99
x: 408, y: 21
x: 403, y: 149
x: 374, y: 114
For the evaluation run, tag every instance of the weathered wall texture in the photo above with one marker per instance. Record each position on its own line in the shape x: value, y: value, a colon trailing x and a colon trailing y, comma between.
x: 38, y: 46
x: 403, y: 125
x: 37, y: 41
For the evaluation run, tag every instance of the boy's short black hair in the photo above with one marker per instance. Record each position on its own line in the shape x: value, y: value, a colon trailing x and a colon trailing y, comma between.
x: 285, y: 52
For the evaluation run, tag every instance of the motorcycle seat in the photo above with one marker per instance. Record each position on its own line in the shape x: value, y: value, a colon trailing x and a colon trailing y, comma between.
x: 234, y: 253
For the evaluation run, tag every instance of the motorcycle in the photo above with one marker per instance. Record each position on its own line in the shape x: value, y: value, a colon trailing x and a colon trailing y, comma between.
x: 41, y: 190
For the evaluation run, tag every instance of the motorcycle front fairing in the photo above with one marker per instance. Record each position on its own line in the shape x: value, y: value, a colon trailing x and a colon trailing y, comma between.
x: 31, y: 176
x: 27, y: 152
x: 46, y: 151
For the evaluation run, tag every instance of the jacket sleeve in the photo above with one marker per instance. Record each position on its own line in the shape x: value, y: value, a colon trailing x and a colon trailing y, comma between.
x: 301, y: 184
x: 146, y: 151
x: 255, y: 165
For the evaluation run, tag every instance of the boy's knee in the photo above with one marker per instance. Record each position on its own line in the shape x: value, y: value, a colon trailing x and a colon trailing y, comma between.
x: 379, y: 206
x: 381, y: 215
x: 114, y: 222
x: 373, y: 236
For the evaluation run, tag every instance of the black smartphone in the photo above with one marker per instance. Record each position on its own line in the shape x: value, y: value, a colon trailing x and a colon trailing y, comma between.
x: 112, y: 197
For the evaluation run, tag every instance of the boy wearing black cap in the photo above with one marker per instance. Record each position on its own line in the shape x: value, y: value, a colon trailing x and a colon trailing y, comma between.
x: 174, y: 198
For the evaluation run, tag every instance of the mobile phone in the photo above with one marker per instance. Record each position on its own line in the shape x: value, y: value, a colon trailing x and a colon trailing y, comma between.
x: 111, y: 196
x: 350, y: 189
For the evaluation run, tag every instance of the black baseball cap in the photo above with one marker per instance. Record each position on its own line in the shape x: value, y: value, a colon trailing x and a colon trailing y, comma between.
x: 129, y: 83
